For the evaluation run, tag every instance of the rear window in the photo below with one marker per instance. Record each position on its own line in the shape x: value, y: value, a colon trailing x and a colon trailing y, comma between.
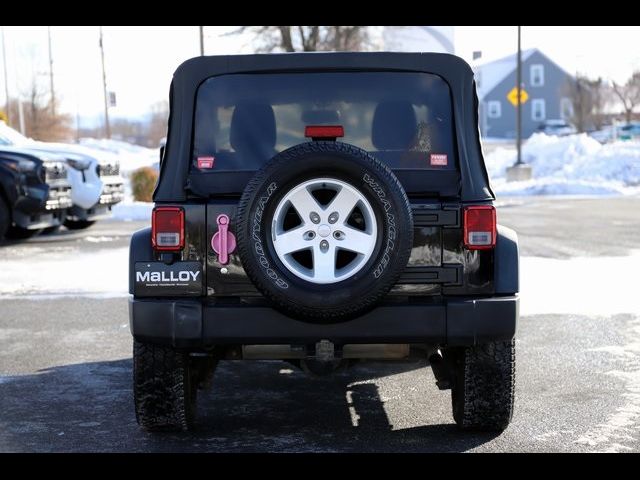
x: 403, y: 118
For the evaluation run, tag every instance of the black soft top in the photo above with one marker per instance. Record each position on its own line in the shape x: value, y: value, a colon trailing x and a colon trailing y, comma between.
x: 174, y: 168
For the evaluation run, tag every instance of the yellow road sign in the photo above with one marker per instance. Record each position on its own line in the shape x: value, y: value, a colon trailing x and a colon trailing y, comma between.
x: 512, y: 96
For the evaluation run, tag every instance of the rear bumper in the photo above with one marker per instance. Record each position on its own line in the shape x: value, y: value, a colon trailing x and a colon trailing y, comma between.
x: 192, y: 324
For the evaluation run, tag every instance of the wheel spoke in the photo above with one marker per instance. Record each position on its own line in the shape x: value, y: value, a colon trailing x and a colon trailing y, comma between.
x: 291, y: 241
x: 344, y: 202
x: 304, y: 203
x: 357, y: 241
x: 324, y: 264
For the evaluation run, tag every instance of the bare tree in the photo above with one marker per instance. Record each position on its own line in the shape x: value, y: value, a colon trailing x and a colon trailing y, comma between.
x: 310, y: 38
x: 40, y: 121
x: 158, y: 119
x: 629, y: 94
x: 589, y: 97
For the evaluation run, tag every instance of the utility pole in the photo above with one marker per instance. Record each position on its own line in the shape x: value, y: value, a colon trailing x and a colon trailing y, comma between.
x: 520, y: 171
x: 6, y: 77
x: 107, y: 127
x: 53, y: 92
x: 201, y: 41
x: 519, y: 104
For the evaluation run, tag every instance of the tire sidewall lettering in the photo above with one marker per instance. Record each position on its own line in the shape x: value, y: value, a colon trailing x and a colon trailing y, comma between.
x: 256, y: 236
x: 391, y: 232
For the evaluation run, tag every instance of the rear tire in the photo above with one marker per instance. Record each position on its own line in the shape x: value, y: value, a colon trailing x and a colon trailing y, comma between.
x: 484, y: 386
x: 19, y: 233
x: 78, y: 224
x: 51, y: 230
x: 164, y: 388
x: 5, y: 218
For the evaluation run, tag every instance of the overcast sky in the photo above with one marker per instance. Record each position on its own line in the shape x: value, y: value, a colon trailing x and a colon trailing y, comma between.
x: 141, y: 60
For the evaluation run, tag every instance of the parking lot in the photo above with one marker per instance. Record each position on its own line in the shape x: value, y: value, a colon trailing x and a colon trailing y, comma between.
x: 65, y: 355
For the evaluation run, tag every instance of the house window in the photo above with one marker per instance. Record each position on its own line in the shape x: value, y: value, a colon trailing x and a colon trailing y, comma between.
x: 538, y: 109
x: 566, y: 108
x: 494, y: 109
x: 537, y: 75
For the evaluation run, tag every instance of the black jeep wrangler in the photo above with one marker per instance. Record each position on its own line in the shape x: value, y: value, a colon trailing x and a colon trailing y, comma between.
x: 320, y: 208
x: 34, y: 192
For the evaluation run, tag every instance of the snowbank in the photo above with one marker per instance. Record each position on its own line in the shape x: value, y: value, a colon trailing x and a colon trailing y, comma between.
x: 131, y: 156
x: 129, y: 210
x: 571, y: 165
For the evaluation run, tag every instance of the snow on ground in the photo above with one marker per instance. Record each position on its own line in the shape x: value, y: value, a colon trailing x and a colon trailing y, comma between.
x: 131, y: 156
x: 571, y: 165
x: 131, y: 210
x: 580, y: 285
x: 98, y: 274
x: 590, y: 286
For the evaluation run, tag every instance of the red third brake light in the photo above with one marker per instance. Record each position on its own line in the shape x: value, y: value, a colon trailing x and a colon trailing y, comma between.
x: 167, y: 228
x: 479, y: 227
x: 323, y: 131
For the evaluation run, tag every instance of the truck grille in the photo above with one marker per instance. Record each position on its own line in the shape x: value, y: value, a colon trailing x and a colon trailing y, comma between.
x: 112, y: 193
x: 59, y: 198
x: 108, y: 169
x: 54, y: 171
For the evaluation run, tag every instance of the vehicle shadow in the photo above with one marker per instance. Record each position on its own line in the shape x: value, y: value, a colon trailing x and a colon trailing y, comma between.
x: 252, y: 407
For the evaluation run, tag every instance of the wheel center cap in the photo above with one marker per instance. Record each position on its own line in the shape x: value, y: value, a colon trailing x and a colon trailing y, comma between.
x: 324, y: 230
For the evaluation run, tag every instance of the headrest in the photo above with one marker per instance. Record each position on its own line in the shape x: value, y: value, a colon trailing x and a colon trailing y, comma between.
x: 253, y: 124
x: 394, y: 125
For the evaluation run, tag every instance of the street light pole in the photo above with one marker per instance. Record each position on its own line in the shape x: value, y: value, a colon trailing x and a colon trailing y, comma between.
x: 6, y: 77
x: 519, y: 103
x: 53, y: 92
x: 201, y: 41
x: 107, y: 127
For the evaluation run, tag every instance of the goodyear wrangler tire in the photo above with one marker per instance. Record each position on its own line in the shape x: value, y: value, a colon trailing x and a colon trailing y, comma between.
x: 324, y: 231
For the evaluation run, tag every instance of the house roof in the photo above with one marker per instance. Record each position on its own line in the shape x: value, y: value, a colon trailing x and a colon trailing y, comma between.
x: 489, y: 75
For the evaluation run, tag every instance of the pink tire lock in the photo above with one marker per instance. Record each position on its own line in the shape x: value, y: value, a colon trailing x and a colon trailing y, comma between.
x: 223, y: 241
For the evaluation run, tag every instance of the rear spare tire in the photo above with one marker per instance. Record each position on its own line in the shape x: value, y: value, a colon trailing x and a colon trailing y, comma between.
x: 324, y: 231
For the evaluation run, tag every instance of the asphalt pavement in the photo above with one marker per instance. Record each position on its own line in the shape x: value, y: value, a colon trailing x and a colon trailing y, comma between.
x: 65, y: 368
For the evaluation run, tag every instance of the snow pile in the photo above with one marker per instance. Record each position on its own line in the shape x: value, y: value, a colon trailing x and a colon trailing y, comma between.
x: 131, y: 156
x: 129, y: 210
x: 575, y: 164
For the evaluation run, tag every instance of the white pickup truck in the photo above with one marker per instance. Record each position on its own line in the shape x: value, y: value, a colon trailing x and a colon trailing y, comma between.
x: 96, y: 184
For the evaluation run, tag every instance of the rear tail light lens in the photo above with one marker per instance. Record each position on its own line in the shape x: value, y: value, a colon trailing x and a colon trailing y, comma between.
x: 167, y: 228
x: 480, y: 227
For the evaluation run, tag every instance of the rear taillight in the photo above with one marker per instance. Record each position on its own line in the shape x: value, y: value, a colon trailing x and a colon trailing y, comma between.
x: 167, y: 228
x: 479, y: 227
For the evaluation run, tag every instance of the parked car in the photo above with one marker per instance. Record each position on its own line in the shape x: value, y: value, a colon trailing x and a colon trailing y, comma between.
x: 628, y: 131
x: 557, y: 127
x: 95, y: 177
x: 315, y: 208
x: 34, y: 192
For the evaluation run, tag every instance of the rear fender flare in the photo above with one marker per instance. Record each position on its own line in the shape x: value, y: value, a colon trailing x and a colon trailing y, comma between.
x: 140, y: 250
x: 507, y: 262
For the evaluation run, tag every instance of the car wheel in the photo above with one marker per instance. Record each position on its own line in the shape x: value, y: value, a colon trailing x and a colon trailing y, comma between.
x: 164, y: 388
x: 51, y: 230
x: 5, y: 218
x: 483, y: 390
x: 19, y: 233
x: 324, y: 230
x: 78, y: 224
